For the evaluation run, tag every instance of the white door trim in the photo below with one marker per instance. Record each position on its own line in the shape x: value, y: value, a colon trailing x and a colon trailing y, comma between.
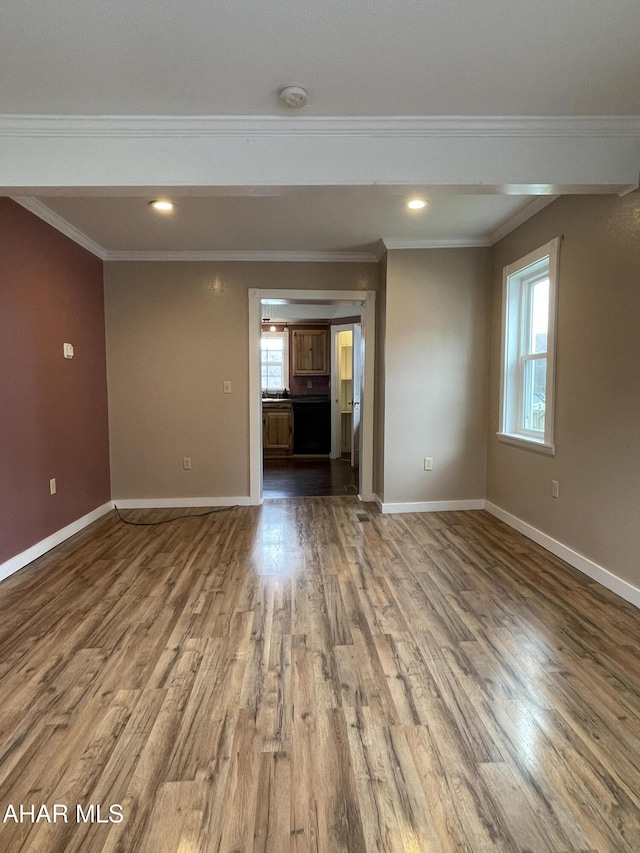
x: 366, y: 300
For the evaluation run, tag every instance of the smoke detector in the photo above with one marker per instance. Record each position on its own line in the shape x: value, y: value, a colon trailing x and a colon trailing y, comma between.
x: 293, y: 97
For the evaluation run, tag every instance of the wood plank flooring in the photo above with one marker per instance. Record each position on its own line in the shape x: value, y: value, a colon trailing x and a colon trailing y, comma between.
x: 299, y: 476
x: 312, y: 676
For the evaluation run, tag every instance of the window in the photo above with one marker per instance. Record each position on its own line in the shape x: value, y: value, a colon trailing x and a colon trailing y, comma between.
x: 274, y: 361
x: 528, y: 349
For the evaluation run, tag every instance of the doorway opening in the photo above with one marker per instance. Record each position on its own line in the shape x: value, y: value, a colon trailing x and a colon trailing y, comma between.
x: 308, y: 477
x: 311, y: 393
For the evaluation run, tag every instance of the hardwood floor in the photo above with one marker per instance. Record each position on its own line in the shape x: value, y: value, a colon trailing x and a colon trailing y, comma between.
x: 304, y: 477
x: 312, y: 676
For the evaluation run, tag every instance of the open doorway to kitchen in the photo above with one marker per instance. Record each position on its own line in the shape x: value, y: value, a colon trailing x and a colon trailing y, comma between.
x: 307, y: 381
x: 296, y: 393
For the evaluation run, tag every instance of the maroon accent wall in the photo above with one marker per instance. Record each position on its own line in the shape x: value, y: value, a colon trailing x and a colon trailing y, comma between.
x: 53, y: 411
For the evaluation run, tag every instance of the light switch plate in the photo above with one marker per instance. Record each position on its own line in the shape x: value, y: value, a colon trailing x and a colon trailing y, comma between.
x: 68, y: 350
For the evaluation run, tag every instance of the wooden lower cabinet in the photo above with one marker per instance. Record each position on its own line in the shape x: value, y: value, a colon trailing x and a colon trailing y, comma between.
x: 277, y: 429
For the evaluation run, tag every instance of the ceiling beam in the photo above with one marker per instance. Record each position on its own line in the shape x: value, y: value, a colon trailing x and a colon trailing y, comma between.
x: 514, y: 155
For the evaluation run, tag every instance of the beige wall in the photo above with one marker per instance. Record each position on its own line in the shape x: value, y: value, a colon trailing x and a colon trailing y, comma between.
x: 380, y: 369
x: 436, y: 374
x: 175, y: 332
x: 597, y: 432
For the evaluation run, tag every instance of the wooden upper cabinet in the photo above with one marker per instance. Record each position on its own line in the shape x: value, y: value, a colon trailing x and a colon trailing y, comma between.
x: 310, y: 349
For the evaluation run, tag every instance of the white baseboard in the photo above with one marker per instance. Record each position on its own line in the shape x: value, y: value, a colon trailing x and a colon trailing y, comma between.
x: 20, y: 560
x: 176, y: 503
x: 429, y: 506
x: 588, y: 567
x: 603, y: 576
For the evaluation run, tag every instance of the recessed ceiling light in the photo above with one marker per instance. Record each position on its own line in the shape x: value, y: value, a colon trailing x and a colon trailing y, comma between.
x: 416, y: 204
x: 163, y: 205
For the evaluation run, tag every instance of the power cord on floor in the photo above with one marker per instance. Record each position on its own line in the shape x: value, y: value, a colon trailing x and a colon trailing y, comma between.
x: 175, y: 518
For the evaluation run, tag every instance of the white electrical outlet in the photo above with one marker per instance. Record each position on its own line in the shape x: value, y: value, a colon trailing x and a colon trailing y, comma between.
x: 186, y: 463
x: 428, y: 463
x: 226, y: 387
x: 555, y: 489
x: 52, y: 486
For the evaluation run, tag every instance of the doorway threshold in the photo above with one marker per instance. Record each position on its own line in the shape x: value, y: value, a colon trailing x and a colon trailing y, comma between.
x: 300, y: 477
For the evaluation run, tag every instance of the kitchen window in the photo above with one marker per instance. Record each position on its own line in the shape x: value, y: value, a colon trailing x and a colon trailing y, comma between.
x: 528, y: 349
x: 274, y: 361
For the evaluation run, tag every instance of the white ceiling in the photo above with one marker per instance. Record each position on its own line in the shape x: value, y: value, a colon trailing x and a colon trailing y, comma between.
x: 286, y: 219
x: 409, y: 60
x: 294, y: 311
x: 361, y: 57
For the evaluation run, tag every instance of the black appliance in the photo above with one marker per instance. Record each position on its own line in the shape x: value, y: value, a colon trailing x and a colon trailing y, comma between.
x: 311, y: 425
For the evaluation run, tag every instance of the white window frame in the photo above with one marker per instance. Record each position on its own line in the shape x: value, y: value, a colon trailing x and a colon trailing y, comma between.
x: 517, y: 289
x: 284, y: 334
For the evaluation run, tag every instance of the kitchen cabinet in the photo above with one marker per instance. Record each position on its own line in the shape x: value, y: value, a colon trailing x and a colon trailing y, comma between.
x: 277, y: 429
x: 310, y: 352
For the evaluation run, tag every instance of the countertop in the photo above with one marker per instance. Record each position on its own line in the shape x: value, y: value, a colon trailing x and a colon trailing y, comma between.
x: 301, y: 398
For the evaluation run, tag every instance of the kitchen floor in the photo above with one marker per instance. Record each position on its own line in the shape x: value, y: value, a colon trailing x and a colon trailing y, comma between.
x: 299, y: 477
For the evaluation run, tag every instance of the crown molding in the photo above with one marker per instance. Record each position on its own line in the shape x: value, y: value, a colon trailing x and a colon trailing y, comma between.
x: 276, y: 257
x: 630, y: 188
x: 15, y: 125
x: 381, y: 250
x: 521, y: 216
x: 45, y: 213
x: 463, y: 243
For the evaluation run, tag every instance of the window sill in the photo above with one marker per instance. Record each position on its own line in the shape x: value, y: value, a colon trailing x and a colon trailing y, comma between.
x: 527, y: 443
